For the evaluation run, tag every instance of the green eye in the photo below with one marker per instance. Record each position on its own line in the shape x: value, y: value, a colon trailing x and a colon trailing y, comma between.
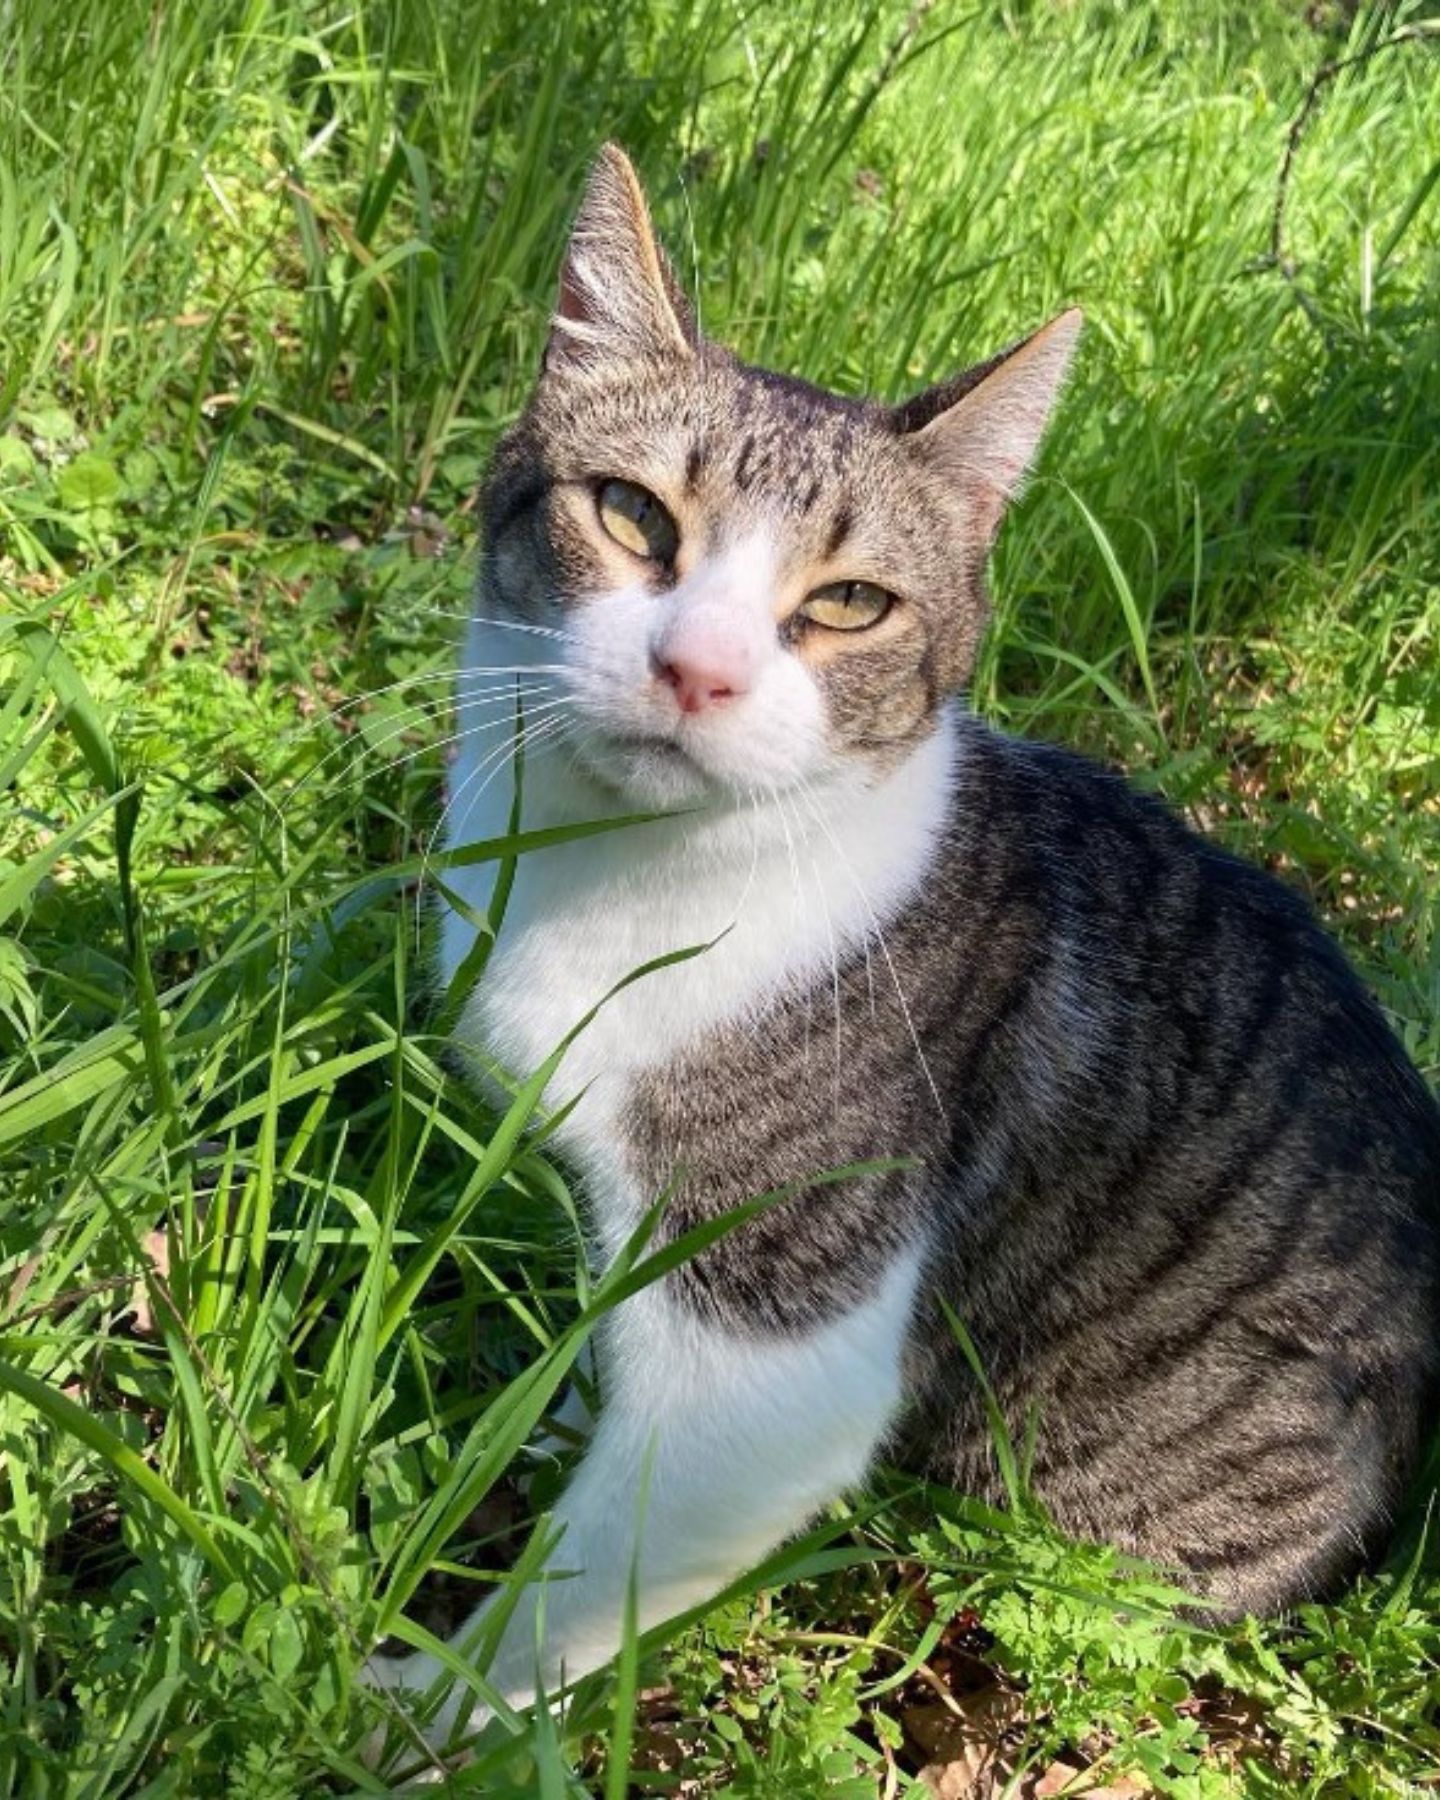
x: 847, y: 605
x: 636, y: 519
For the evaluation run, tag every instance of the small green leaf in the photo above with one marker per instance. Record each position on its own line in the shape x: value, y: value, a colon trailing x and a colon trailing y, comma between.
x: 65, y: 1415
x: 16, y: 456
x: 258, y: 1628
x: 89, y: 481
x: 51, y: 423
x: 141, y: 470
x: 17, y: 998
x: 286, y: 1645
x: 230, y: 1603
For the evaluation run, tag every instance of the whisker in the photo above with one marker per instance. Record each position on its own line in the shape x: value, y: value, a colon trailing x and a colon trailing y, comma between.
x: 512, y: 669
x: 550, y: 631
x: 530, y: 737
x: 468, y: 617
x: 799, y: 897
x: 754, y: 799
x: 834, y: 984
x: 447, y: 674
x: 436, y: 705
x: 455, y: 737
x: 531, y: 720
x: 478, y: 702
x: 807, y: 793
x: 889, y: 960
x: 398, y: 727
x: 834, y: 968
x: 531, y: 734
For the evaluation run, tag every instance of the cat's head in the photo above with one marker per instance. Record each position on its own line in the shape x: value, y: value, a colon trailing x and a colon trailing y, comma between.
x: 758, y: 583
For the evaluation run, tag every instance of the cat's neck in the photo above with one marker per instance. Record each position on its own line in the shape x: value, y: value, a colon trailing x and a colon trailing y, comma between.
x: 784, y: 888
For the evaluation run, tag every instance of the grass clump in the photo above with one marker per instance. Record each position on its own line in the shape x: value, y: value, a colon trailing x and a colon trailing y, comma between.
x: 280, y: 1299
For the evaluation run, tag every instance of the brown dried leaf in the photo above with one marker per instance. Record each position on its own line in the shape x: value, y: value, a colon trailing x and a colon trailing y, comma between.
x: 21, y: 1280
x: 1069, y: 1779
x: 964, y: 1741
x: 969, y: 1777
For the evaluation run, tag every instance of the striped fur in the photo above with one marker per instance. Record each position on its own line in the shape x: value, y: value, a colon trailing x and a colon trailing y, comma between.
x: 1162, y: 1154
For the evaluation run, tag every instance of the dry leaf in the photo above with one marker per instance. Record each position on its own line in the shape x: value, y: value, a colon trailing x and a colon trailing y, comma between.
x: 1068, y: 1779
x: 968, y: 1777
x: 24, y: 1275
x: 963, y: 1741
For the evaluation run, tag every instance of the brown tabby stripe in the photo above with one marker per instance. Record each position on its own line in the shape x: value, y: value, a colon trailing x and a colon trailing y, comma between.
x: 1185, y: 1192
x: 1180, y: 1181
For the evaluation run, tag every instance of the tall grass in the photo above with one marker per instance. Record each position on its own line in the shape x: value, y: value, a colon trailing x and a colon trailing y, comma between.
x: 280, y: 1299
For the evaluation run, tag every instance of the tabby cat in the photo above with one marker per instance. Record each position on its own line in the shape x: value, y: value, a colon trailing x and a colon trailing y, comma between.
x: 1162, y: 1155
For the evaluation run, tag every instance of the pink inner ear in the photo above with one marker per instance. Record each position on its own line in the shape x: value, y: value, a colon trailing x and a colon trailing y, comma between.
x: 571, y: 303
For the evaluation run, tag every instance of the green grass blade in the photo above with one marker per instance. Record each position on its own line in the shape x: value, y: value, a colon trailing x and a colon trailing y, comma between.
x: 68, y: 1417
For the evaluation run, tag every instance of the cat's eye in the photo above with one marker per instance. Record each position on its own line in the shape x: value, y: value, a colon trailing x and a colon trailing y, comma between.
x: 637, y: 520
x: 847, y: 605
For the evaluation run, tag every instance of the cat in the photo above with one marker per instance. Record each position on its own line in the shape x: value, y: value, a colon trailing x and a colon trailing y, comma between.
x: 1161, y: 1154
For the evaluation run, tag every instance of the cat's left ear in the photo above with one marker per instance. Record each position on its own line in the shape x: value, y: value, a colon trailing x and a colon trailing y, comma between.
x: 981, y: 431
x: 618, y: 297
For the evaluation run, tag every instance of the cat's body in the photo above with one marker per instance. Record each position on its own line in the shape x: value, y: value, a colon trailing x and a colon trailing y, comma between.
x: 1164, y: 1159
x: 1142, y: 1088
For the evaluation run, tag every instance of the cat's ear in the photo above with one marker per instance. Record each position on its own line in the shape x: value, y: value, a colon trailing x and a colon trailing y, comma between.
x: 618, y: 297
x: 981, y: 431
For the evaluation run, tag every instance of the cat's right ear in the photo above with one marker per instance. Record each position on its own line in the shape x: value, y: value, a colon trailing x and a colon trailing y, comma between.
x: 618, y: 297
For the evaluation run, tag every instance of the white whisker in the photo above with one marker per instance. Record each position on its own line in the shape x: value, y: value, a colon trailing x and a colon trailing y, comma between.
x: 447, y: 674
x: 550, y: 631
x: 889, y: 960
x: 455, y: 737
x: 834, y: 968
x: 529, y: 723
x: 799, y: 894
x: 807, y: 793
x: 532, y: 734
x: 397, y: 727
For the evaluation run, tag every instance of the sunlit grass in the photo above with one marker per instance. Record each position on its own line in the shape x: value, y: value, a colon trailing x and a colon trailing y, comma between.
x: 280, y: 1299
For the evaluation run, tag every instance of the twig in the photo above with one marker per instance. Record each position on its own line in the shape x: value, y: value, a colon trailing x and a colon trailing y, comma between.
x: 1275, y: 257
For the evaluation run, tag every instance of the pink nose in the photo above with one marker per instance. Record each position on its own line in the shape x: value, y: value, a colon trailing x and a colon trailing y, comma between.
x: 703, y: 674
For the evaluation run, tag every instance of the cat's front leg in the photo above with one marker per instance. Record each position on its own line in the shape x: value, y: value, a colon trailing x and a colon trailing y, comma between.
x: 713, y: 1446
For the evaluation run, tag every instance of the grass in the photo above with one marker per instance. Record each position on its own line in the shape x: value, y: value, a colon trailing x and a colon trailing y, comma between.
x: 280, y: 1300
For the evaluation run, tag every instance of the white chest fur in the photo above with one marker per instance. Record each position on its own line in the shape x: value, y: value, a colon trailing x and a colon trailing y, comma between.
x: 782, y: 889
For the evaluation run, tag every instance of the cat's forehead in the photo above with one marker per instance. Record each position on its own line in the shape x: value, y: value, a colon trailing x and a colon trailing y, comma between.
x: 719, y: 426
x: 794, y: 439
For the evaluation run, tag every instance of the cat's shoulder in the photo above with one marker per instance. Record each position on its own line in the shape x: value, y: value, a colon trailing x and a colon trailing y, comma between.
x: 1045, y: 807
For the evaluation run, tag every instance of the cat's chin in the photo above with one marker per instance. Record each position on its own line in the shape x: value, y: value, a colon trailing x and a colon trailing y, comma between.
x: 648, y: 771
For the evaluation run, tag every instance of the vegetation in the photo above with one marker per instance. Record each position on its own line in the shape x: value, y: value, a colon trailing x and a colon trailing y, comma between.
x: 280, y: 1300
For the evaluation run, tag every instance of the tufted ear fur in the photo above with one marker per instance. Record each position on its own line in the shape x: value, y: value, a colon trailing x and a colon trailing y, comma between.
x: 618, y: 296
x: 981, y: 431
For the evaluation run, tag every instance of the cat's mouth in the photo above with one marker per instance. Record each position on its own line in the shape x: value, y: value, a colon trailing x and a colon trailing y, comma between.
x: 646, y: 743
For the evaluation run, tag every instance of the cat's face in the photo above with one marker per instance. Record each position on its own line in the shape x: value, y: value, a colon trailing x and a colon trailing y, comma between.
x: 758, y: 584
